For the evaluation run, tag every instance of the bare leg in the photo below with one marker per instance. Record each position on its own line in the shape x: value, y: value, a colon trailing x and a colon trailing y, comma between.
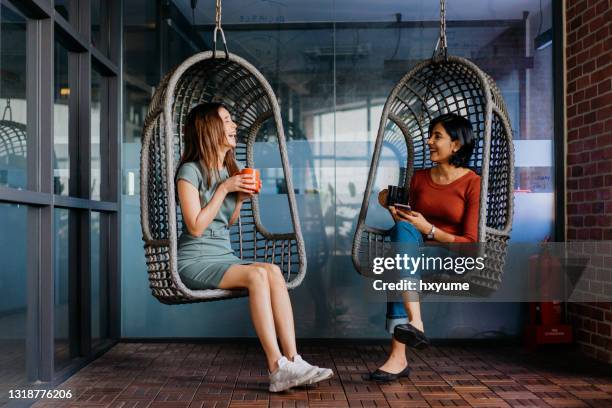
x: 282, y: 310
x: 397, y: 358
x: 255, y: 279
x: 413, y: 307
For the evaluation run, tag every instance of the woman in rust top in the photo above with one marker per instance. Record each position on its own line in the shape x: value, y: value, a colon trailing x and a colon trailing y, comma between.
x: 445, y: 201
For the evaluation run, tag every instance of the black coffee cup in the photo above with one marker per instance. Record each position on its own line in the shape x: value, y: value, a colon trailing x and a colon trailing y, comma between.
x: 396, y: 195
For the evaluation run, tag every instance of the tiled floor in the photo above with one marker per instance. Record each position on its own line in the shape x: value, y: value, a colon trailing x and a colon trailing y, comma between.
x: 234, y: 375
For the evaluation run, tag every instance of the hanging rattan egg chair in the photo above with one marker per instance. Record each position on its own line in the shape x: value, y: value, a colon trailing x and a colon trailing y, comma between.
x: 211, y: 77
x: 448, y: 84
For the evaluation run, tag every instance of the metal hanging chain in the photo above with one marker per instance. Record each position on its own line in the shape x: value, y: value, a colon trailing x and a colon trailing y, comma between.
x: 8, y: 109
x: 441, y: 46
x: 219, y: 29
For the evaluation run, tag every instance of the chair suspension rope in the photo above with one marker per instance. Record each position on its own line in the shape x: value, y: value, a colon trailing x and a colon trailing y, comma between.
x: 440, y: 50
x: 218, y: 13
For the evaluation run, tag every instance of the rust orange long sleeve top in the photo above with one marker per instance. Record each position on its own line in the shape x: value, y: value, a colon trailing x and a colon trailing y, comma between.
x: 453, y: 207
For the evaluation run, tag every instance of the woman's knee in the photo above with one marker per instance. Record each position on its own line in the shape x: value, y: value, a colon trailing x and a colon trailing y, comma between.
x: 404, y: 231
x: 258, y: 275
x: 274, y: 274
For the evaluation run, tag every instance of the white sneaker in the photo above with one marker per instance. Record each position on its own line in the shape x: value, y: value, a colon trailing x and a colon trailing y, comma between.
x: 290, y: 374
x: 322, y: 374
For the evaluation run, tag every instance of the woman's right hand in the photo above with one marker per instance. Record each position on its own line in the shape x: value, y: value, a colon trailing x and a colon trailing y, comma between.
x: 242, y: 183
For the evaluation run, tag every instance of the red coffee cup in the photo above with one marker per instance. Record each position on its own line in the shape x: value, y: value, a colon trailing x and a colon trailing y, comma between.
x: 256, y: 174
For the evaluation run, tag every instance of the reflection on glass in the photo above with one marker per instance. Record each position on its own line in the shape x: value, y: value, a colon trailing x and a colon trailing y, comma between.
x: 64, y: 279
x: 13, y: 106
x: 99, y: 25
x: 96, y: 133
x: 13, y: 302
x: 63, y: 8
x: 99, y: 285
x: 332, y: 84
x: 61, y: 116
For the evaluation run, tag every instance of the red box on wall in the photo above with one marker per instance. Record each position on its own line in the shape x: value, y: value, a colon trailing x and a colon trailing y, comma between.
x: 536, y: 335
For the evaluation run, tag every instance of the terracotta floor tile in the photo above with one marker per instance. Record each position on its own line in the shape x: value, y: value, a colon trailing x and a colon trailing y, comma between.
x: 224, y: 375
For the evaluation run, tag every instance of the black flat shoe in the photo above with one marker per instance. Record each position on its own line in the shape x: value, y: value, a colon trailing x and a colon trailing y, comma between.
x: 410, y: 336
x: 383, y: 376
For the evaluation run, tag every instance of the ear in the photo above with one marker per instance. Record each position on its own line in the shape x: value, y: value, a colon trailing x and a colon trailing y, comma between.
x: 456, y: 145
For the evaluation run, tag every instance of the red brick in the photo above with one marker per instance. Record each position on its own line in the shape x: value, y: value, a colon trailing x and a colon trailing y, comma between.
x: 582, y: 33
x: 601, y: 101
x: 590, y: 195
x: 598, y: 207
x: 603, y: 60
x: 583, y: 336
x: 589, y: 67
x: 605, y: 113
x: 595, y: 50
x: 576, y: 221
x: 601, y: 7
x: 597, y: 128
x: 583, y: 82
x: 575, y: 23
x: 590, y: 143
x: 589, y: 221
x: 590, y: 92
x: 578, y: 196
x: 604, y: 86
x: 599, y: 341
x: 575, y: 73
x: 589, y: 325
x: 582, y: 234
x: 590, y: 118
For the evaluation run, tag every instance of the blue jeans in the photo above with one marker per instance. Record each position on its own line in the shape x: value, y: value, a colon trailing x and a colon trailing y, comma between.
x: 407, y: 233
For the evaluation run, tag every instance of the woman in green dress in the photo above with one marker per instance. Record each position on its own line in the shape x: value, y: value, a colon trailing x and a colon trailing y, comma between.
x: 211, y: 191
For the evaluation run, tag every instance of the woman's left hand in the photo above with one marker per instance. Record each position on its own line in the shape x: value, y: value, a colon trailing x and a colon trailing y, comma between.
x: 416, y: 219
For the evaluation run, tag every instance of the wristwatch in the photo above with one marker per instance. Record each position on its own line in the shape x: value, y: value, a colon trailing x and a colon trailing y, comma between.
x: 430, y: 234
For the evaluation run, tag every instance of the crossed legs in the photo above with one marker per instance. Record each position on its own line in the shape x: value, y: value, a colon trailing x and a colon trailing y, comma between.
x: 270, y: 306
x: 409, y: 309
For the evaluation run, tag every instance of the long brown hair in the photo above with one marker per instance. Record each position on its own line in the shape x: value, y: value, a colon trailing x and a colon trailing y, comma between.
x: 204, y: 134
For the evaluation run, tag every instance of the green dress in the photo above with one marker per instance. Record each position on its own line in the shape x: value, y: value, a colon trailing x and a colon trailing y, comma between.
x: 203, y: 260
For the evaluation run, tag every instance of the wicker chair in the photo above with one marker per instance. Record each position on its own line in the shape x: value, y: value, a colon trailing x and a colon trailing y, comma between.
x: 229, y: 79
x: 434, y: 87
x: 13, y: 139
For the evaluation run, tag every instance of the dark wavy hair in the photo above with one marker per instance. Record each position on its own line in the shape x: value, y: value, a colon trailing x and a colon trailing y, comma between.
x: 458, y: 128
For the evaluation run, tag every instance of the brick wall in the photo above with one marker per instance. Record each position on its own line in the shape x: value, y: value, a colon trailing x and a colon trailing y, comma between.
x: 589, y: 156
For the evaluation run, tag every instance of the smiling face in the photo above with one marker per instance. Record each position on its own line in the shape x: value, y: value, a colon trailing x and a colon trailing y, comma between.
x: 441, y: 146
x: 229, y: 127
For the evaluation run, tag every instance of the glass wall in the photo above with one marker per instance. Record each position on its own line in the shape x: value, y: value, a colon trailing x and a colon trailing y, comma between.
x: 61, y: 122
x: 64, y: 289
x: 97, y: 132
x: 59, y: 155
x: 332, y: 67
